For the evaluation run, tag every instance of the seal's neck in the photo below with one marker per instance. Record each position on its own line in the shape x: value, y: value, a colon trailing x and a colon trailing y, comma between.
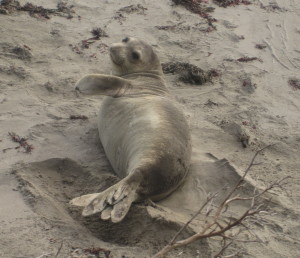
x: 152, y: 73
x: 149, y: 83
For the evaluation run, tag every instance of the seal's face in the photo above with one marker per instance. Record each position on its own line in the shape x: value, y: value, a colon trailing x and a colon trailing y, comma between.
x: 134, y: 55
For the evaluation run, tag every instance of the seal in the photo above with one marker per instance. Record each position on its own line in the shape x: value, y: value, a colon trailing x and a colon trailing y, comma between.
x: 144, y: 133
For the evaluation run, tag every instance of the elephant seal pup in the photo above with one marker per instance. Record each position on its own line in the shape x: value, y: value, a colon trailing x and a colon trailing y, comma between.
x: 144, y: 134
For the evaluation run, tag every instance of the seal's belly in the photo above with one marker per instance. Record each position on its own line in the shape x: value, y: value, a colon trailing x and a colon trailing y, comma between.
x: 134, y: 130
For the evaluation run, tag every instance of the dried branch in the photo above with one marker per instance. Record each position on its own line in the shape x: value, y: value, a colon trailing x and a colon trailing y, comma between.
x: 209, y: 199
x: 225, y: 246
x: 213, y: 227
x: 59, y: 249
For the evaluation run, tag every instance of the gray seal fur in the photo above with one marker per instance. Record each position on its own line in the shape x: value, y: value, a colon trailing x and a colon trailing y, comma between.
x: 144, y: 133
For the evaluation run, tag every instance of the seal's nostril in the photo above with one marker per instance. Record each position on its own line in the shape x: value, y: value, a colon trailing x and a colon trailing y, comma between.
x: 125, y: 40
x: 112, y: 49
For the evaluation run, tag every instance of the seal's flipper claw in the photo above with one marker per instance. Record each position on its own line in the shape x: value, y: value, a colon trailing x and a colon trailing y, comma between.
x: 110, y: 197
x: 83, y: 200
x: 106, y: 213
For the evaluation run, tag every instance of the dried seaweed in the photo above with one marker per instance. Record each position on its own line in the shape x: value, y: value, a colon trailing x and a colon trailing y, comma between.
x: 180, y: 27
x: 77, y: 117
x: 272, y: 7
x: 189, y: 73
x: 226, y: 3
x: 22, y: 142
x: 196, y: 6
x: 295, y: 84
x: 248, y: 59
x: 98, y: 33
x: 260, y: 46
x: 98, y: 252
x: 170, y: 27
x: 248, y: 85
x: 138, y: 9
x: 10, y: 6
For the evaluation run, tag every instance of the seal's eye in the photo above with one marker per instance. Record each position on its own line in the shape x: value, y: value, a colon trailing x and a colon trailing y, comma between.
x: 125, y: 40
x: 135, y: 55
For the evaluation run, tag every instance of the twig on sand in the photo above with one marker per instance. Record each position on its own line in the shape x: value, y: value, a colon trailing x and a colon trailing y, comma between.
x: 216, y: 226
x: 59, y: 249
x: 43, y: 255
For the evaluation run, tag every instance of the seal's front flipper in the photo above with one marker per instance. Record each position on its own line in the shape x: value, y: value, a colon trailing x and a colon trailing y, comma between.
x: 113, y: 203
x: 101, y: 84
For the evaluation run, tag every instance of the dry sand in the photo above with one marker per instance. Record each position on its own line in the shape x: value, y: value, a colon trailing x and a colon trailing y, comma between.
x: 253, y: 102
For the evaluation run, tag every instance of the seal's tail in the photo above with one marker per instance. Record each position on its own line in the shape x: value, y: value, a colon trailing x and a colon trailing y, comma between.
x: 113, y: 203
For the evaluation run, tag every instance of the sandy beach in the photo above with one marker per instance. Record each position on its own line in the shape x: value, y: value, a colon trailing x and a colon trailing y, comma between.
x: 50, y: 150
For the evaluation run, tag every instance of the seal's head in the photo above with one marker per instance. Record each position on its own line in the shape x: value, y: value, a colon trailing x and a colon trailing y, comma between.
x: 133, y: 55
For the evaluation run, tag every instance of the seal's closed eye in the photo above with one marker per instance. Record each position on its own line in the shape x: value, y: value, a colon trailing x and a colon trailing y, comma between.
x: 125, y: 40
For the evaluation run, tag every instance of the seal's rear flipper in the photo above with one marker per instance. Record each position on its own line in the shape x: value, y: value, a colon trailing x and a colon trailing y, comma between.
x: 121, y: 209
x: 83, y: 200
x: 113, y: 203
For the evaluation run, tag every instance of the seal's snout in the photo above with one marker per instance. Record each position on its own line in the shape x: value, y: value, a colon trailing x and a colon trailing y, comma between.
x: 114, y: 49
x: 117, y: 54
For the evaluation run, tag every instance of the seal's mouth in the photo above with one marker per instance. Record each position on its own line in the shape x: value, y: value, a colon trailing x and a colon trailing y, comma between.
x: 117, y: 60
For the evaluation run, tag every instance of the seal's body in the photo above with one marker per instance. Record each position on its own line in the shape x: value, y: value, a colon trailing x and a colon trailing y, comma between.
x: 144, y: 134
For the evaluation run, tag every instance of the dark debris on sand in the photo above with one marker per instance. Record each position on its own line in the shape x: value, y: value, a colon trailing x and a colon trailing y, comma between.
x: 120, y: 14
x: 139, y: 9
x: 22, y: 52
x: 244, y: 59
x: 10, y: 6
x: 22, y: 142
x: 180, y: 27
x: 226, y: 3
x: 98, y: 33
x: 295, y: 84
x: 248, y: 59
x: 189, y: 73
x: 260, y: 46
x: 272, y: 7
x: 92, y: 252
x: 196, y: 6
x: 78, y: 117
